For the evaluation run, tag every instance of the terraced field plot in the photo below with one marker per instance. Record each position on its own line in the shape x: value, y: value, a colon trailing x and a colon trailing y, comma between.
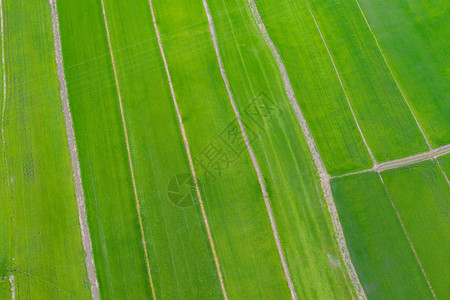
x: 208, y: 149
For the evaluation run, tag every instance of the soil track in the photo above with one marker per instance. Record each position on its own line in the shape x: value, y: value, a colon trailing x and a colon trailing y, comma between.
x: 86, y: 237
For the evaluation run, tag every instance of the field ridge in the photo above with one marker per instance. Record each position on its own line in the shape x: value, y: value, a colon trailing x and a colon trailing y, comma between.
x: 323, y: 174
x: 84, y: 227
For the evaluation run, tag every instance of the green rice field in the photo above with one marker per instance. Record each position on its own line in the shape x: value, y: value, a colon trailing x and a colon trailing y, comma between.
x: 224, y: 149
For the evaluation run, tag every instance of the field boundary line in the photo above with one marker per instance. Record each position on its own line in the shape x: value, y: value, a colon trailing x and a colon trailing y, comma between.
x: 251, y: 153
x: 405, y: 161
x: 130, y: 162
x: 406, y: 234
x: 76, y: 172
x: 342, y: 85
x: 442, y: 170
x: 322, y: 172
x: 188, y: 153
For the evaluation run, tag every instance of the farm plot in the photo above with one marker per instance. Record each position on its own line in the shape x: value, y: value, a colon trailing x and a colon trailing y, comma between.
x: 43, y: 251
x: 413, y: 36
x: 421, y: 196
x: 110, y: 200
x: 316, y: 85
x: 386, y: 121
x: 301, y: 215
x: 379, y: 248
x: 181, y: 260
x: 232, y: 196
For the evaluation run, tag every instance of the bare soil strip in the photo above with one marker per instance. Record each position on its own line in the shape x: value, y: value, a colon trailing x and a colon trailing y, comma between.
x: 393, y: 76
x: 407, y: 236
x: 138, y: 207
x: 252, y: 154
x: 188, y: 151
x: 85, y: 235
x: 401, y: 162
x: 324, y: 177
x: 342, y: 85
x: 13, y: 287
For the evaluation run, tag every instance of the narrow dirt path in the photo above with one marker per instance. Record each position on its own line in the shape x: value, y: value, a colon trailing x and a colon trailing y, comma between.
x: 85, y: 235
x: 401, y: 162
x: 188, y: 151
x: 13, y: 287
x: 138, y: 207
x: 393, y: 76
x: 342, y: 85
x: 407, y: 236
x: 252, y: 154
x: 324, y: 177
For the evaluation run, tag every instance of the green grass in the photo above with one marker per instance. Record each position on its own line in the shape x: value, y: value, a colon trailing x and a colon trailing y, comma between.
x: 239, y: 221
x: 384, y: 116
x: 421, y: 196
x: 5, y: 289
x: 182, y: 263
x: 290, y: 176
x: 380, y: 251
x: 44, y: 249
x: 445, y: 163
x: 412, y: 34
x: 315, y: 84
x: 110, y: 203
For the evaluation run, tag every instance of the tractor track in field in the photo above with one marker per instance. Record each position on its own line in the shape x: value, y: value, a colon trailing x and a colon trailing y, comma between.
x: 85, y: 234
x: 188, y: 153
x: 324, y: 177
x: 130, y: 162
x: 251, y: 152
